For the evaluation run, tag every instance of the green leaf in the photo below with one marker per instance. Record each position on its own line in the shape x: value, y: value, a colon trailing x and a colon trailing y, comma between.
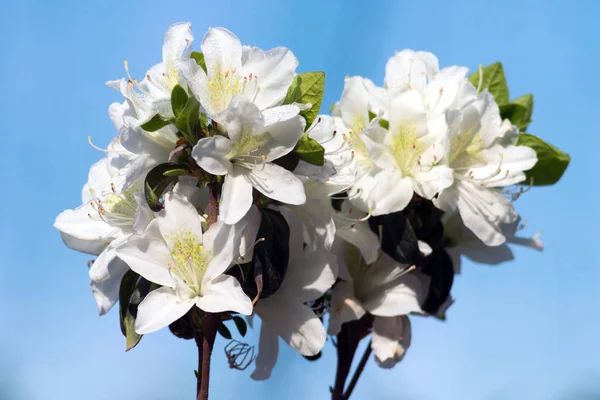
x: 516, y: 114
x: 241, y: 325
x: 551, y: 163
x: 493, y: 80
x: 179, y: 99
x: 188, y: 119
x: 527, y: 102
x: 384, y: 123
x: 158, y: 179
x: 155, y: 124
x: 307, y: 87
x: 199, y: 57
x: 310, y: 150
x: 132, y: 291
x: 224, y: 331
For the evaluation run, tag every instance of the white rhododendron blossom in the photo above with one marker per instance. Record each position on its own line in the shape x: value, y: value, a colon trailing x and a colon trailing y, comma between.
x: 226, y: 200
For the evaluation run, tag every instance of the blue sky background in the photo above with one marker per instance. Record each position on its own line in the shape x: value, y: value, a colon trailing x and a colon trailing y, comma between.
x: 528, y: 329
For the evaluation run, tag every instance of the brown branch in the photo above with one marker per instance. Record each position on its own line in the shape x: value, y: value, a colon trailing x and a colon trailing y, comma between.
x: 200, y: 344
x: 359, y: 370
x: 211, y: 321
x: 347, y: 342
x: 212, y: 203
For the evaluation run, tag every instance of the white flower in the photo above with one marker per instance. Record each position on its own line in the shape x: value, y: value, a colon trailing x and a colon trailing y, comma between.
x: 255, y: 139
x: 104, y: 221
x: 189, y: 264
x: 262, y: 77
x: 483, y: 156
x: 409, y: 69
x: 409, y: 155
x: 385, y: 289
x: 284, y: 314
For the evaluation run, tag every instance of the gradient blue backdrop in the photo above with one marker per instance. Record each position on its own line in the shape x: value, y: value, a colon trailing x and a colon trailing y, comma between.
x: 525, y: 330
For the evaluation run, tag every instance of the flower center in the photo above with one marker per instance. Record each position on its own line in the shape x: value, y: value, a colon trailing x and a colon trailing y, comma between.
x: 407, y: 147
x: 224, y: 83
x: 245, y: 152
x: 190, y: 258
x: 117, y: 210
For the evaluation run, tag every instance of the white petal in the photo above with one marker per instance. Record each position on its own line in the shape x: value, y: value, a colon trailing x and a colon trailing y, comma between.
x: 84, y: 223
x: 407, y: 114
x: 361, y: 236
x: 236, y: 197
x: 197, y: 81
x: 106, y: 293
x: 160, y: 308
x: 309, y: 276
x: 241, y: 118
x: 178, y: 41
x: 401, y: 299
x: 149, y: 257
x: 483, y: 211
x: 224, y: 293
x: 268, y: 351
x: 410, y: 69
x: 248, y: 239
x: 224, y: 242
x: 274, y: 70
x: 319, y: 227
x: 391, y: 193
x: 285, y: 136
x: 354, y: 104
x: 94, y: 247
x: 178, y: 215
x: 101, y: 268
x: 211, y: 154
x: 344, y: 307
x: 187, y: 187
x: 222, y: 51
x: 278, y: 184
x: 390, y: 339
x: 428, y: 184
x: 295, y: 323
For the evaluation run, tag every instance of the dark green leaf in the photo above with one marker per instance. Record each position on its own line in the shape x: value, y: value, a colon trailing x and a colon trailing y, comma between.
x: 132, y: 291
x: 384, y: 123
x: 155, y: 124
x: 527, y: 102
x: 289, y: 161
x: 310, y: 150
x: 493, y: 80
x: 307, y: 87
x: 371, y: 115
x: 551, y: 163
x: 315, y: 357
x: 182, y: 327
x: 158, y: 179
x: 270, y: 258
x: 516, y: 114
x: 179, y: 99
x: 240, y: 323
x: 398, y: 239
x: 224, y: 331
x: 199, y: 57
x: 439, y: 267
x: 426, y: 221
x: 188, y: 119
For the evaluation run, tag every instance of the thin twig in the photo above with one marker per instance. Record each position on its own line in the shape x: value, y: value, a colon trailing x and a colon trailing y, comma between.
x: 359, y: 370
x: 200, y: 344
x: 211, y: 321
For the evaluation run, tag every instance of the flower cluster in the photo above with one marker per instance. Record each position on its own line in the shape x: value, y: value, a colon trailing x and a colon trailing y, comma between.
x: 225, y: 192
